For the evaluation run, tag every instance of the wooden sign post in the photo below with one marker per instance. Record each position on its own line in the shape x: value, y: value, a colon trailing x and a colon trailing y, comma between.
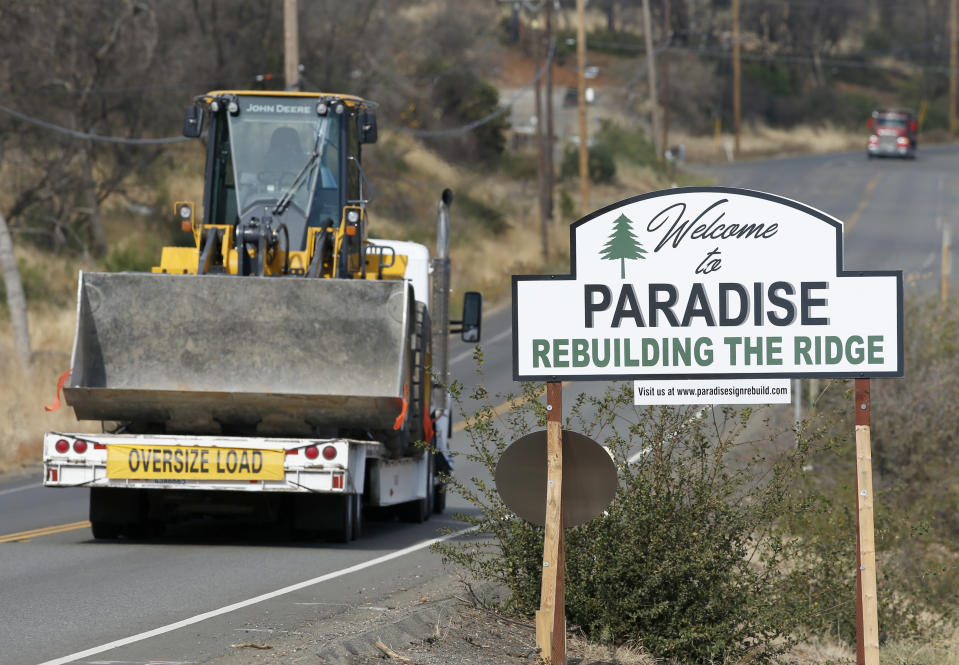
x: 551, y: 617
x: 867, y: 606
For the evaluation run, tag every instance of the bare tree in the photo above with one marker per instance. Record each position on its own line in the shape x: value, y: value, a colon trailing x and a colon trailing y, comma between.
x: 16, y: 302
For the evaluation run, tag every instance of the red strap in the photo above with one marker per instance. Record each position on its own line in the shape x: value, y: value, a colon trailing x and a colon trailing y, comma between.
x: 55, y: 405
x: 400, y: 418
x: 428, y: 428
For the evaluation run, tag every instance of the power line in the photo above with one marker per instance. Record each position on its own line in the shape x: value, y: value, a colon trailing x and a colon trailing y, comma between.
x: 88, y: 136
x: 805, y: 60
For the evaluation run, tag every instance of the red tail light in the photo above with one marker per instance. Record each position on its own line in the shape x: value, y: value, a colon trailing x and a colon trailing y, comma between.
x: 329, y: 452
x: 312, y: 452
x: 79, y: 446
x: 62, y: 446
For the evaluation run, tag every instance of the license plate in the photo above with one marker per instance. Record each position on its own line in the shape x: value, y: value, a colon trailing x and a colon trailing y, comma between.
x: 193, y: 463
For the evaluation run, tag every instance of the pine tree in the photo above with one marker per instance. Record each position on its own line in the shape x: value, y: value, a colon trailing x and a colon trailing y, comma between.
x: 622, y: 244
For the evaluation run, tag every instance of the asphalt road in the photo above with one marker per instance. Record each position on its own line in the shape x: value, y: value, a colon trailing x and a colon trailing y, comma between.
x: 62, y: 593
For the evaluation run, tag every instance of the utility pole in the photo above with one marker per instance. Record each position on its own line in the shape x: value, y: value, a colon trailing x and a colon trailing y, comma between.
x: 581, y: 103
x: 550, y: 141
x: 540, y: 148
x: 667, y: 35
x: 651, y: 68
x: 291, y: 46
x: 953, y: 52
x: 736, y: 76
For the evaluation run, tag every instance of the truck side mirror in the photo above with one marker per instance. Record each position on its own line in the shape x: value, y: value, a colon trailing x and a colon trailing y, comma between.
x: 193, y: 122
x: 472, y: 316
x: 366, y: 123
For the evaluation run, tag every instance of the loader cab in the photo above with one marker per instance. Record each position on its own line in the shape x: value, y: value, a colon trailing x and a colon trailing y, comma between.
x: 291, y: 159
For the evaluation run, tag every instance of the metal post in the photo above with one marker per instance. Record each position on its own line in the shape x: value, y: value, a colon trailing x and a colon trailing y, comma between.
x: 551, y: 617
x: 867, y: 606
x: 440, y: 303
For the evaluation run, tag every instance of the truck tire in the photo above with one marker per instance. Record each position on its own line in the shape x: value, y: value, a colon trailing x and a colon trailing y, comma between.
x: 439, y: 499
x: 343, y: 510
x: 118, y: 511
x: 419, y: 510
x: 105, y: 530
x: 357, y: 516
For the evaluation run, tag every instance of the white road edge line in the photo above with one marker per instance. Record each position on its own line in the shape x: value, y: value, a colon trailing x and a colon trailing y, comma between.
x: 252, y: 601
x: 20, y: 489
x: 469, y: 354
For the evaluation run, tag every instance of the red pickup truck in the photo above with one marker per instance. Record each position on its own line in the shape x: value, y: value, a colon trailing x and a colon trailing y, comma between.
x: 893, y: 133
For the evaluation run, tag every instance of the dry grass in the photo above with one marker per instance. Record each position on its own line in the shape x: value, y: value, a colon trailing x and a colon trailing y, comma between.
x: 23, y: 395
x: 759, y: 141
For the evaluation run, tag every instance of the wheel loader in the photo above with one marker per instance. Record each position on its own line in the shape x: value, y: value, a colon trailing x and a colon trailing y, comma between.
x: 286, y: 365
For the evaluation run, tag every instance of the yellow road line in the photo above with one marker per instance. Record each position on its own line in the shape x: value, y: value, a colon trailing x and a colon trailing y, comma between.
x: 461, y: 425
x: 854, y: 217
x: 44, y: 531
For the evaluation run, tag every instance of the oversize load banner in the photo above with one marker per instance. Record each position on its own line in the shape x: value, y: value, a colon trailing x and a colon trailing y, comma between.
x: 707, y: 282
x: 193, y: 463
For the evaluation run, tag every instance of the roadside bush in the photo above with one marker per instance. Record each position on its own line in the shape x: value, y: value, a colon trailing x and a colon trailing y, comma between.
x: 602, y: 168
x: 121, y: 259
x: 687, y: 560
x: 631, y: 145
x: 916, y: 481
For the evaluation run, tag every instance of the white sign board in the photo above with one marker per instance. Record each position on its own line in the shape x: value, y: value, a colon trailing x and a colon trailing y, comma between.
x: 707, y: 283
x: 712, y: 391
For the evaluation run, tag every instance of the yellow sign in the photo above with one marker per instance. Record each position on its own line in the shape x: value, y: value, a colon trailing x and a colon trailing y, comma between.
x: 193, y: 463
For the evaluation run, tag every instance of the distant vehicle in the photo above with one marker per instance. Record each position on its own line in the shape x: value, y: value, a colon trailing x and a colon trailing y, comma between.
x: 893, y: 133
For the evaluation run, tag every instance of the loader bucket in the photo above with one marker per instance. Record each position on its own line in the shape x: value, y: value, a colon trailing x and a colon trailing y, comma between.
x: 215, y: 354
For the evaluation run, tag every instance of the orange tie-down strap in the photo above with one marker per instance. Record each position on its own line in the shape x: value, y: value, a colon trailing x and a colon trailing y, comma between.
x: 55, y: 404
x: 400, y: 418
x: 428, y: 430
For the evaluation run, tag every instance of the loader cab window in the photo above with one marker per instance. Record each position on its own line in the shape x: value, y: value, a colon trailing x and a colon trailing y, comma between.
x: 282, y: 150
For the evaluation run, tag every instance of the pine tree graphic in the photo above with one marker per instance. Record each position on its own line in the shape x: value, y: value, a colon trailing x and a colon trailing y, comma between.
x: 622, y: 245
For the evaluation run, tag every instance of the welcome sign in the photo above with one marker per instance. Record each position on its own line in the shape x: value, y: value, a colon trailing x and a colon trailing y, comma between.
x: 707, y: 282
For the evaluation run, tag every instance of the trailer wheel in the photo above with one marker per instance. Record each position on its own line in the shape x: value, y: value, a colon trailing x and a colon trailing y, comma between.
x: 105, y: 530
x: 343, y: 511
x: 357, y: 516
x: 439, y: 499
x: 419, y: 510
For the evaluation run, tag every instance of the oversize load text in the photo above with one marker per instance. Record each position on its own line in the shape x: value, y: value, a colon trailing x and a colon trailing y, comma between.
x: 132, y: 461
x: 683, y: 352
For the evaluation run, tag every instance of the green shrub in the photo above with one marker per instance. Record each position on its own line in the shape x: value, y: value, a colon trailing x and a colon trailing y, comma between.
x: 687, y: 559
x: 491, y: 219
x: 602, y: 167
x: 631, y: 145
x: 129, y: 259
x: 915, y: 482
